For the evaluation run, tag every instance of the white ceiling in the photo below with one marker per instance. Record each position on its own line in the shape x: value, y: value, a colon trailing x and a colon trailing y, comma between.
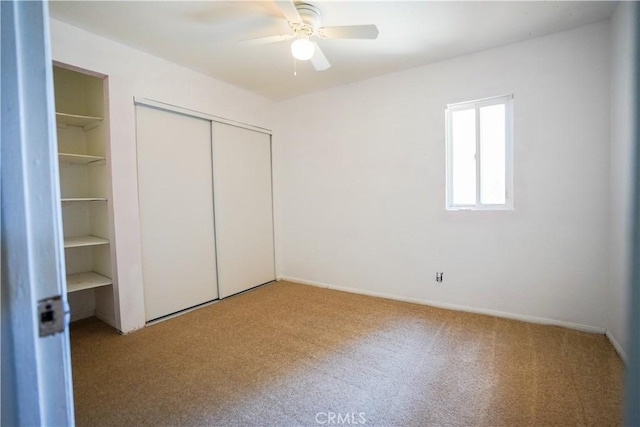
x: 204, y: 35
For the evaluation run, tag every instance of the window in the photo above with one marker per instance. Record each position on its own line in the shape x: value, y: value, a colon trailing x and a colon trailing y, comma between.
x: 479, y: 154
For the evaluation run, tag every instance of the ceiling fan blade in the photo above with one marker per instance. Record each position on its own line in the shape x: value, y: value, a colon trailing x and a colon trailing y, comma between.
x: 266, y: 40
x: 289, y: 10
x: 319, y: 61
x: 349, y: 32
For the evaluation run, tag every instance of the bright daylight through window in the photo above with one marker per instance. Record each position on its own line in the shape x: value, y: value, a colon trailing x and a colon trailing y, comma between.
x: 479, y: 154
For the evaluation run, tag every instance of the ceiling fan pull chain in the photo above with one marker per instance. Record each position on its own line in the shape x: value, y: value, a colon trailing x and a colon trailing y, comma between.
x: 295, y: 71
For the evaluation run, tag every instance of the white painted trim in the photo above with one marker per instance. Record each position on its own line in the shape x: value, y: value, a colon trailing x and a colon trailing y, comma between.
x: 614, y: 342
x: 193, y: 113
x: 483, y: 102
x: 109, y: 320
x: 507, y: 315
x: 79, y: 315
x: 508, y: 205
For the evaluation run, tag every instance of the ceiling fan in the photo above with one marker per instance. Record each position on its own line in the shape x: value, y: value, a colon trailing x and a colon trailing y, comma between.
x: 304, y: 20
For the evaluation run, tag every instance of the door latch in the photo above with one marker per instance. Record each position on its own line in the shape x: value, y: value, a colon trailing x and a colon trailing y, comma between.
x: 53, y: 316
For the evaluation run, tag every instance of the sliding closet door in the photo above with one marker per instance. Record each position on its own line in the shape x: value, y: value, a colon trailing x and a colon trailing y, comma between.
x: 176, y: 211
x: 244, y: 210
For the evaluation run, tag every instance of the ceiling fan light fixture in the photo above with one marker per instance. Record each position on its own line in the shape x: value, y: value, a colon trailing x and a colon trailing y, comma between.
x: 302, y: 49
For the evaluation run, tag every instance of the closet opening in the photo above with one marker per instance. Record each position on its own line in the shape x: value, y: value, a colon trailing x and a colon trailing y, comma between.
x: 85, y: 192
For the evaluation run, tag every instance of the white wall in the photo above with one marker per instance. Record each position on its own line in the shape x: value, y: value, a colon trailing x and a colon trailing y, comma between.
x: 622, y: 154
x: 134, y: 73
x: 359, y: 176
x: 363, y: 184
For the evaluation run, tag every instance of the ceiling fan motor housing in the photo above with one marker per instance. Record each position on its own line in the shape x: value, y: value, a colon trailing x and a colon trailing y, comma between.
x: 309, y: 14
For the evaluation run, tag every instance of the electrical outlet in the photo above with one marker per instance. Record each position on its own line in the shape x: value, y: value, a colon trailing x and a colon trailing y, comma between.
x: 439, y: 277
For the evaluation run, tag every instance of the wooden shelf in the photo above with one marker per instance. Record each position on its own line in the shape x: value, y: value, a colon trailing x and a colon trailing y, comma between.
x: 85, y: 122
x: 78, y: 159
x: 88, y: 280
x: 83, y: 199
x: 77, y: 242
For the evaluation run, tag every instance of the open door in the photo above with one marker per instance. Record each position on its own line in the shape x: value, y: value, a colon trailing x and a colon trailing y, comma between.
x: 36, y: 368
x: 632, y: 408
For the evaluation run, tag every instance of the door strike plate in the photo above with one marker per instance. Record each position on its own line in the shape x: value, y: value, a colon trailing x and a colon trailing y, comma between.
x: 52, y: 316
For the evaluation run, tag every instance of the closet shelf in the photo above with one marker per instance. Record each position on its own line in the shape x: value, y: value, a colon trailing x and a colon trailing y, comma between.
x: 85, y: 122
x: 88, y: 280
x: 78, y: 159
x: 80, y: 241
x: 83, y: 199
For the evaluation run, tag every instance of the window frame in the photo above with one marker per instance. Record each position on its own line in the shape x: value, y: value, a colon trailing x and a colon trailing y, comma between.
x: 507, y: 100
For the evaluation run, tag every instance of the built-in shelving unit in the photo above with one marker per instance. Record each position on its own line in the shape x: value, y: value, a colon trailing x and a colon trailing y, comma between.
x: 82, y: 199
x: 85, y: 122
x: 81, y: 281
x: 80, y: 241
x: 84, y: 179
x: 78, y: 159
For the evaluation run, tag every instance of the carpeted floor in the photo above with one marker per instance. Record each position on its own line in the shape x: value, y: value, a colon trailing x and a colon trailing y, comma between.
x: 288, y: 354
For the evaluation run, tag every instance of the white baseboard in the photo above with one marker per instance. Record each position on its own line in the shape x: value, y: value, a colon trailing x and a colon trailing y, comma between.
x: 128, y: 331
x: 79, y: 315
x: 614, y: 342
x: 507, y: 315
x: 105, y: 318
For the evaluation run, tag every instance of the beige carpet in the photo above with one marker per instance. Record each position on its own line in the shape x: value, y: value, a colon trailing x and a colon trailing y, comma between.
x: 288, y: 354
